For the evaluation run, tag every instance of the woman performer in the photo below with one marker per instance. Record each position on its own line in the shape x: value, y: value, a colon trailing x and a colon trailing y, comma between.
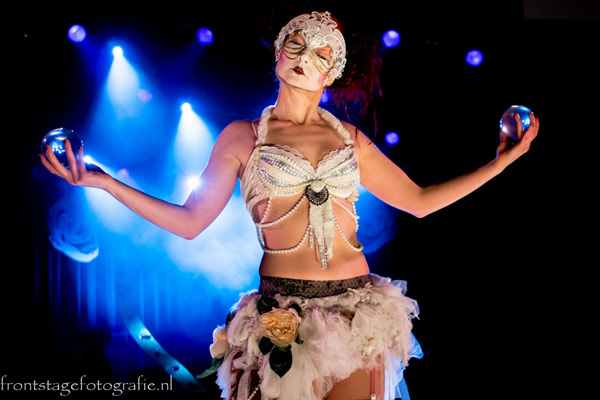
x: 320, y: 325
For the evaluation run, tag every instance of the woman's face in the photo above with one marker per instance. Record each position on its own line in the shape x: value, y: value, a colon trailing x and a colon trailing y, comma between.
x: 303, y: 67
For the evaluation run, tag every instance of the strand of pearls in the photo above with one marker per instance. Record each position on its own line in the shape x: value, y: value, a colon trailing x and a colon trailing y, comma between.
x: 307, y: 232
x: 254, y: 392
x: 354, y: 215
x: 339, y: 228
x: 263, y: 224
x: 290, y: 249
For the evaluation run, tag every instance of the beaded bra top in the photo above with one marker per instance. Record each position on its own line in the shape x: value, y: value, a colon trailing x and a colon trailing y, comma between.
x: 275, y: 170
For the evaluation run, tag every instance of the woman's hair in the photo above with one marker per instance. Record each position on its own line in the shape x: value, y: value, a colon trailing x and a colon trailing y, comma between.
x: 358, y: 92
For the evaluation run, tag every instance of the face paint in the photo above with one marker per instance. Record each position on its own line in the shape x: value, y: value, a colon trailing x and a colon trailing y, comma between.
x: 319, y: 32
x: 301, y: 67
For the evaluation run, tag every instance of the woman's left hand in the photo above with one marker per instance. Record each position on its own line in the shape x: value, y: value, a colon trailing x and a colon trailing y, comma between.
x: 509, y: 150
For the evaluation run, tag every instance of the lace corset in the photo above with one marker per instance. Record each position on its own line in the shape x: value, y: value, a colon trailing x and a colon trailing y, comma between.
x: 275, y: 170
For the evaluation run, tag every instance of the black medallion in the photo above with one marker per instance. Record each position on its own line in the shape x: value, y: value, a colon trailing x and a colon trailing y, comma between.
x: 317, y: 198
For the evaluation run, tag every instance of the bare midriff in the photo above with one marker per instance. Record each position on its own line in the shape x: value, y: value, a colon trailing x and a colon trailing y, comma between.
x: 303, y: 262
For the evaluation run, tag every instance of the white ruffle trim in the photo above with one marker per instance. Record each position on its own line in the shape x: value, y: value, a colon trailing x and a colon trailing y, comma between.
x: 332, y: 345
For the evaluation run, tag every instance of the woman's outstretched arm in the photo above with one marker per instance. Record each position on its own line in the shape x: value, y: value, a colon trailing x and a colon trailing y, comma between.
x: 203, y: 205
x: 388, y: 182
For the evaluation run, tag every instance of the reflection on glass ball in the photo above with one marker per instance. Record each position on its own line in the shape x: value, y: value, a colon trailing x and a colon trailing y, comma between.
x: 56, y: 140
x: 508, y: 124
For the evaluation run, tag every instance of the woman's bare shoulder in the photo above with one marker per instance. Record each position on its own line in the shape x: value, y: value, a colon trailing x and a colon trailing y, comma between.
x: 239, y: 134
x: 239, y: 138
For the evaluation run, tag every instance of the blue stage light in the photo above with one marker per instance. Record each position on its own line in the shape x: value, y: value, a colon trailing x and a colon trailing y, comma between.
x: 185, y: 107
x: 392, y: 138
x: 193, y: 142
x: 325, y: 98
x: 474, y: 58
x: 123, y: 86
x: 77, y: 34
x: 192, y: 182
x: 205, y: 36
x: 391, y: 38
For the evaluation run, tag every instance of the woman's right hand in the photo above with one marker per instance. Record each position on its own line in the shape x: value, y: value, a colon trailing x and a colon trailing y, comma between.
x: 77, y: 174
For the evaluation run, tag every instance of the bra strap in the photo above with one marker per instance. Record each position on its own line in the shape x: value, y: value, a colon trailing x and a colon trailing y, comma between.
x: 262, y: 126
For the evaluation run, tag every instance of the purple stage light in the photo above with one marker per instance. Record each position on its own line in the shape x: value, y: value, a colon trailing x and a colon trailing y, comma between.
x: 77, y: 34
x: 474, y: 58
x: 391, y: 39
x: 392, y: 138
x: 144, y: 95
x: 205, y: 36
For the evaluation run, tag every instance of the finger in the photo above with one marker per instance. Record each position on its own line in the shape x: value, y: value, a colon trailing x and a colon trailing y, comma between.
x: 519, y: 125
x: 533, y: 128
x: 60, y: 169
x: 80, y: 163
x: 72, y: 161
x: 47, y: 164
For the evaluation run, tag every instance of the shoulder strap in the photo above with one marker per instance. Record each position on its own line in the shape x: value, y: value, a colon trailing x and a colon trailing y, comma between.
x: 262, y: 126
x: 254, y: 129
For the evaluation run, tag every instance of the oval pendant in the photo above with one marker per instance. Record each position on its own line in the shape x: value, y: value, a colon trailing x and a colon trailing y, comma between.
x: 317, y: 198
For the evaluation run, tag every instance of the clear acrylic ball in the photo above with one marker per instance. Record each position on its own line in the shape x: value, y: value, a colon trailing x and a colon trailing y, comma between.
x: 56, y: 140
x: 508, y: 124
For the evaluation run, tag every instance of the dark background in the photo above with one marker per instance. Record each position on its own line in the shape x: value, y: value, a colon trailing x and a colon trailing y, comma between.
x: 494, y: 273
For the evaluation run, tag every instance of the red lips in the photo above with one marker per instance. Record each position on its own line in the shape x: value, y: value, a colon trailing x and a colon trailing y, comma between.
x: 299, y: 70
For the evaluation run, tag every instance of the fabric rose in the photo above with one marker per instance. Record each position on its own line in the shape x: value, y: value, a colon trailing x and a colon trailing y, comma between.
x: 70, y: 233
x: 219, y: 345
x: 280, y: 326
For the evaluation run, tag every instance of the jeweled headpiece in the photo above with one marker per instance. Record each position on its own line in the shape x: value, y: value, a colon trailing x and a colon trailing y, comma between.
x: 319, y: 30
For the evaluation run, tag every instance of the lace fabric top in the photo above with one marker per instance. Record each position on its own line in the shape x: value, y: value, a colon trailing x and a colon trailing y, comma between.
x: 275, y: 170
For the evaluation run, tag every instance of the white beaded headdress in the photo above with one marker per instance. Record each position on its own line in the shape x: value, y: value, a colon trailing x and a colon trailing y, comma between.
x: 319, y: 30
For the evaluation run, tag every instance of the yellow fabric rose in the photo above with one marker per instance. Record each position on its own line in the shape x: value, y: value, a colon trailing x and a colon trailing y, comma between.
x: 280, y: 326
x: 220, y: 344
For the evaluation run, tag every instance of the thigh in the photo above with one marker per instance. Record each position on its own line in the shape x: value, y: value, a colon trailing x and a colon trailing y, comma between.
x: 358, y: 385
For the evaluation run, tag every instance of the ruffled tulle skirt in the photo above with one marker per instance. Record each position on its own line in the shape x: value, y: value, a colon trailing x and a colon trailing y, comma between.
x: 291, y: 347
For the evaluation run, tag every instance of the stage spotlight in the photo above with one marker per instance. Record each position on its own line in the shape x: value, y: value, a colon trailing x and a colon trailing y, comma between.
x: 325, y: 98
x: 77, y: 34
x: 193, y: 142
x: 392, y: 138
x: 474, y: 58
x: 391, y: 39
x: 205, y: 36
x: 185, y: 107
x: 123, y: 86
x: 192, y: 182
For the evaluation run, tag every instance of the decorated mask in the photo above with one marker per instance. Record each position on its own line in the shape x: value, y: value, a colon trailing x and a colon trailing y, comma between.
x: 318, y: 31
